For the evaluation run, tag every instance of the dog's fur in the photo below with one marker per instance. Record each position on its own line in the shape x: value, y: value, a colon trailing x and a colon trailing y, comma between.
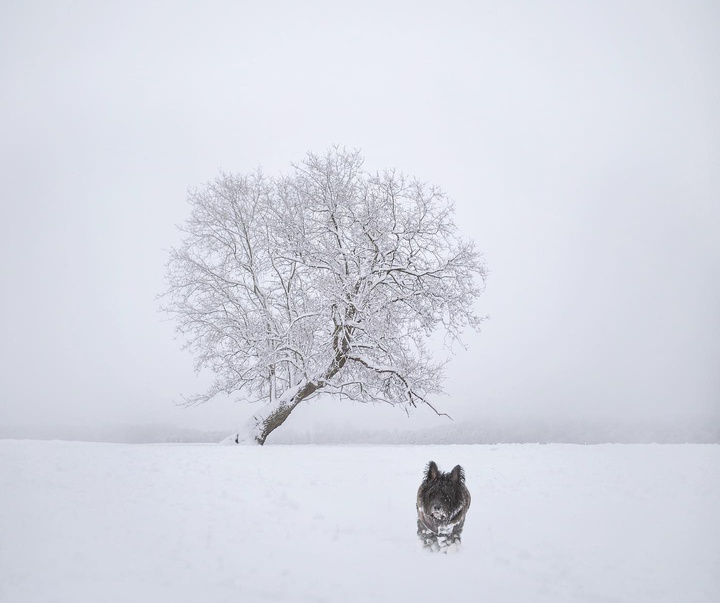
x: 442, y: 503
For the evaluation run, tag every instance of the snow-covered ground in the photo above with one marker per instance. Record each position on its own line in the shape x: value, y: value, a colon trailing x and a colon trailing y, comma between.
x: 154, y: 523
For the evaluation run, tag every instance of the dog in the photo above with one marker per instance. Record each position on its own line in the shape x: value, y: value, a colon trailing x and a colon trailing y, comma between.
x: 442, y: 504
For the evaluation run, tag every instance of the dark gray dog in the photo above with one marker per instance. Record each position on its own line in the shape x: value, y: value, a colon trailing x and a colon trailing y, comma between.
x: 442, y: 503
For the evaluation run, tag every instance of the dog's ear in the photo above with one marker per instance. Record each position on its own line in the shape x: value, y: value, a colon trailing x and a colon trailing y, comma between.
x: 457, y: 474
x: 431, y: 471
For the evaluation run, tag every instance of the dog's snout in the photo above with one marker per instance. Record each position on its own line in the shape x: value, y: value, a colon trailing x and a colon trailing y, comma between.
x: 438, y: 512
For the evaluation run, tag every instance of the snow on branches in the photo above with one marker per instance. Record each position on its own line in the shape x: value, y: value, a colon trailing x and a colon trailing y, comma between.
x: 329, y: 279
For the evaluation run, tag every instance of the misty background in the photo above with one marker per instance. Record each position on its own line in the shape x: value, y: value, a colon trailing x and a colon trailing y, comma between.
x: 580, y: 142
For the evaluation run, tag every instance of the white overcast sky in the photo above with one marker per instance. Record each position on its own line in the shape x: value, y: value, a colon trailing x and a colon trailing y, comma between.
x: 579, y: 140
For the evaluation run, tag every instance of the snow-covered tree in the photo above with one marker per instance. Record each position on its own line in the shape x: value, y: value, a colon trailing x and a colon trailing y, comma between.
x: 329, y: 279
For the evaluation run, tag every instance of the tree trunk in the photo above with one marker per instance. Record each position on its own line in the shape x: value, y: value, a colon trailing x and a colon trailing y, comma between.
x: 278, y: 416
x: 341, y: 344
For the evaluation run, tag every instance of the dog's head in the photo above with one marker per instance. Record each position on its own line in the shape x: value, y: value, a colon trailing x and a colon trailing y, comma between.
x: 442, y: 497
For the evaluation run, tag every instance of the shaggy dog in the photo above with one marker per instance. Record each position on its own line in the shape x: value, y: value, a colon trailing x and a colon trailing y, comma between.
x: 442, y: 503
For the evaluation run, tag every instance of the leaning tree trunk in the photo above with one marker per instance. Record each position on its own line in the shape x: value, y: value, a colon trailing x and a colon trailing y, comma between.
x: 266, y: 425
x: 263, y: 425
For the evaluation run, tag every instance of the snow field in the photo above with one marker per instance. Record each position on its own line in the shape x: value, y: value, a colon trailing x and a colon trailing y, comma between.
x: 153, y: 523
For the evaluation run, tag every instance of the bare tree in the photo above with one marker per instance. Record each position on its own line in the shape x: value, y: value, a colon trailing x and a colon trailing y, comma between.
x: 330, y: 279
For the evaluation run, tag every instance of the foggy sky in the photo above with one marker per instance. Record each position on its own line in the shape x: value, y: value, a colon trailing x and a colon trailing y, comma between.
x: 579, y: 140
